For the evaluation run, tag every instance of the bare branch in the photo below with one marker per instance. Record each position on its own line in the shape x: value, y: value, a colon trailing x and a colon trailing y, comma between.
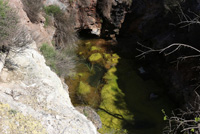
x: 168, y: 51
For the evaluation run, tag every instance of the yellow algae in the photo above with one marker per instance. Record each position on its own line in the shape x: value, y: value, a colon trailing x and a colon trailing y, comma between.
x: 115, y: 56
x: 112, y: 70
x: 95, y: 57
x: 95, y: 48
x: 80, y: 53
x: 110, y: 60
x: 112, y: 101
x: 110, y: 76
x: 106, y: 56
x: 112, y: 95
x: 88, y: 44
x: 83, y: 88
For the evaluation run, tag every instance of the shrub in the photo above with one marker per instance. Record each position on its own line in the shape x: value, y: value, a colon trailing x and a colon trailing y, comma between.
x: 47, y: 51
x: 46, y: 23
x: 66, y: 35
x: 60, y: 61
x: 8, y: 25
x: 32, y: 8
x: 52, y: 10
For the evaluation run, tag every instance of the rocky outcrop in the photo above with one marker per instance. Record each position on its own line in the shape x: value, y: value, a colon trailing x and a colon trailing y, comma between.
x: 33, y: 99
x: 91, y: 114
x: 29, y: 87
x: 113, y: 14
x: 99, y: 17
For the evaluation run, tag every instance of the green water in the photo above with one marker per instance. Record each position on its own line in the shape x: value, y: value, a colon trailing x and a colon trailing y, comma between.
x: 148, y: 118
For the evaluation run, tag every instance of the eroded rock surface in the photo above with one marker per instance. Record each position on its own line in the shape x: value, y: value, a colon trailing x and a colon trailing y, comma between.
x: 99, y: 17
x: 29, y: 87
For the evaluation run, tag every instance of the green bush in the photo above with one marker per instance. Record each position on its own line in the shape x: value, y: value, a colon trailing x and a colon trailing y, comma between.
x: 46, y: 23
x: 52, y: 10
x: 8, y: 24
x: 48, y: 51
x: 49, y: 54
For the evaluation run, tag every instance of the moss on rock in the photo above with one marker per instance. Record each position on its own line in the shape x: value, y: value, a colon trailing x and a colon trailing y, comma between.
x: 13, y: 122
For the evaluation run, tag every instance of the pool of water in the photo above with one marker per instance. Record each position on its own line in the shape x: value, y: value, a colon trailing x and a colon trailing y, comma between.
x: 148, y: 118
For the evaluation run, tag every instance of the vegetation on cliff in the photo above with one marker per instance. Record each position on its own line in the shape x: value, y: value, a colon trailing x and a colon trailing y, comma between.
x: 8, y: 25
x: 32, y: 8
x: 61, y: 61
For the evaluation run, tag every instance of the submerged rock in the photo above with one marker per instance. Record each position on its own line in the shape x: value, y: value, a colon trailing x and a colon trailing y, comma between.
x: 91, y: 115
x: 153, y: 96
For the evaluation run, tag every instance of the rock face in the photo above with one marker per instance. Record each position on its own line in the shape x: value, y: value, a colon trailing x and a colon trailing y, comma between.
x: 91, y: 114
x: 113, y: 14
x: 99, y: 17
x: 33, y: 99
x: 29, y: 87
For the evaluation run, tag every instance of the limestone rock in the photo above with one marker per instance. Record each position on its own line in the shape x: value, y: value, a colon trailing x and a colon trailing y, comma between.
x: 29, y: 87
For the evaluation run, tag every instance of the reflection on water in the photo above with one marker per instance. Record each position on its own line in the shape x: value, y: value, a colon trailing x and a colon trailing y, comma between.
x: 148, y: 118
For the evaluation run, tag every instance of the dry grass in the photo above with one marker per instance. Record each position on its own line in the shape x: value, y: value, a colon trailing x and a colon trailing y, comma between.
x: 32, y: 8
x: 66, y: 35
x: 8, y: 25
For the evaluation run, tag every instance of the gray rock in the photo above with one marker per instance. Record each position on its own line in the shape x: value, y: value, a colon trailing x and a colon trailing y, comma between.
x: 31, y: 88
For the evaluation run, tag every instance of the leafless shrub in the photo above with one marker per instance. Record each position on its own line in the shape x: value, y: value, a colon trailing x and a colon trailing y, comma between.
x: 8, y: 25
x: 66, y: 35
x: 22, y: 37
x: 187, y: 20
x: 185, y: 121
x: 65, y: 63
x: 168, y: 50
x: 32, y: 8
x: 172, y: 4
